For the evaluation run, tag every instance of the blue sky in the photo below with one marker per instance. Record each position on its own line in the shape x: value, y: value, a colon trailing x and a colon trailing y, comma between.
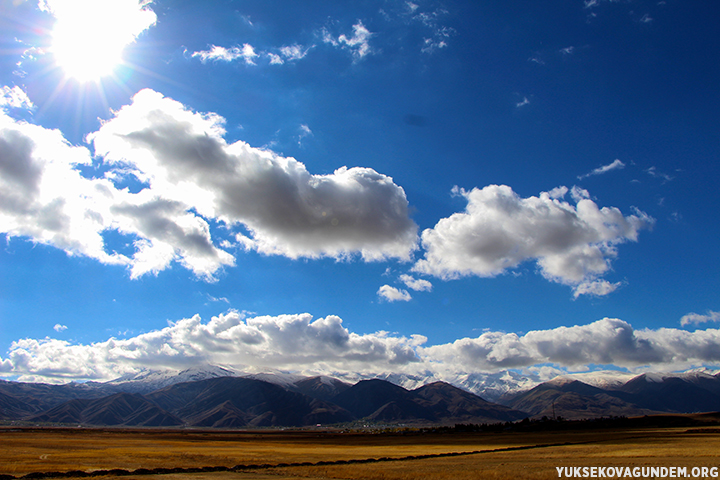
x: 332, y: 187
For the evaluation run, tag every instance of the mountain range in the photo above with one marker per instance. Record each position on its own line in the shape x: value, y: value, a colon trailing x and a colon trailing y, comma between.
x: 219, y: 397
x: 237, y: 402
x: 641, y: 395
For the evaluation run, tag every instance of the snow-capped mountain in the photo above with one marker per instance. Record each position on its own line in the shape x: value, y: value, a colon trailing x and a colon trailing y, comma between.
x: 490, y: 386
x: 693, y: 376
x: 605, y: 379
x: 147, y: 380
x: 579, y: 395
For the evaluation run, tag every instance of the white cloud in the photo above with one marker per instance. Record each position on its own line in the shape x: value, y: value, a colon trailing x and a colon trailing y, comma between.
x: 358, y: 44
x: 440, y: 34
x: 275, y: 59
x: 290, y: 53
x: 615, y: 165
x: 294, y: 52
x: 247, y: 53
x: 696, y: 318
x: 15, y: 97
x: 522, y: 103
x: 597, y: 288
x: 169, y: 233
x: 572, y: 244
x: 304, y: 132
x: 286, y: 341
x: 288, y: 211
x: 218, y: 299
x: 416, y: 284
x: 59, y: 328
x: 653, y: 172
x: 392, y: 294
x: 191, y: 173
x: 432, y: 44
x: 605, y: 342
x: 324, y: 346
x: 43, y: 197
x: 595, y: 3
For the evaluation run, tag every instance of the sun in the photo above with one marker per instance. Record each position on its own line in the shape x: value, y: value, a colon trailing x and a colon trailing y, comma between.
x: 90, y: 35
x: 85, y: 53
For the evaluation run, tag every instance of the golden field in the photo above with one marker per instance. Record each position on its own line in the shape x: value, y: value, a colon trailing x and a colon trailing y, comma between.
x: 23, y: 451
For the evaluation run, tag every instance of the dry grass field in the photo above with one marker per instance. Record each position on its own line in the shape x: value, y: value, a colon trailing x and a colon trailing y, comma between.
x: 64, y: 450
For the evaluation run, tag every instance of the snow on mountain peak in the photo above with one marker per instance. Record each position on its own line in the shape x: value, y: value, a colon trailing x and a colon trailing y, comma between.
x: 146, y: 380
x: 605, y: 379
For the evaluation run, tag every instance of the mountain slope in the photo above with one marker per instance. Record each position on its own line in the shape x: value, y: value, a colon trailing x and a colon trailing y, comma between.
x: 124, y: 409
x: 643, y: 395
x: 11, y: 407
x: 454, y: 404
x: 258, y: 402
x: 673, y: 393
x: 367, y: 396
x: 30, y: 398
x: 322, y: 388
x: 225, y: 415
x: 572, y: 399
x: 439, y: 402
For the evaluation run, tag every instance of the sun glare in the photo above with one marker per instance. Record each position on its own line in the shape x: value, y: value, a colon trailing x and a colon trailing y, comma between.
x: 89, y: 36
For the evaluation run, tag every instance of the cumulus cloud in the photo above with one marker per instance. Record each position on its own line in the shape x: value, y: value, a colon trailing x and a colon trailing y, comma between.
x: 44, y: 197
x: 417, y: 284
x: 215, y: 53
x: 59, y: 328
x: 324, y: 346
x: 392, y: 294
x: 286, y: 341
x: 605, y: 342
x: 191, y: 175
x: 499, y: 230
x: 615, y: 165
x: 696, y: 318
x: 288, y: 211
x: 170, y: 232
x: 358, y: 44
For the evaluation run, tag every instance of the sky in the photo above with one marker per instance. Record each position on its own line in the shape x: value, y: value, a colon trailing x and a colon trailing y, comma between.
x: 419, y: 187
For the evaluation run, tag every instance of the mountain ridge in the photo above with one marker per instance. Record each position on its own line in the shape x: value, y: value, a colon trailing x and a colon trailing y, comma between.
x: 220, y: 397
